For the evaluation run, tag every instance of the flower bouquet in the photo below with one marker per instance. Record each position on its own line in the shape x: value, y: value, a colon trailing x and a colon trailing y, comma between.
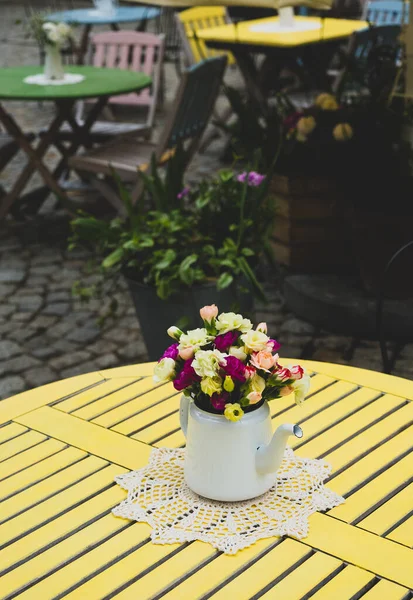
x: 53, y: 37
x: 228, y: 367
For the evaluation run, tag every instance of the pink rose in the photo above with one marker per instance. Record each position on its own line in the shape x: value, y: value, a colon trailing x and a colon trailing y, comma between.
x: 208, y: 313
x: 297, y: 372
x: 283, y: 374
x: 263, y: 360
x: 249, y: 372
x: 187, y: 353
x: 254, y: 397
x: 286, y: 391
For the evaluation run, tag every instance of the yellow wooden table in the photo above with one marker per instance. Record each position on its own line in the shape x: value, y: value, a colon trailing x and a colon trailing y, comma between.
x: 61, y: 446
x: 307, y: 53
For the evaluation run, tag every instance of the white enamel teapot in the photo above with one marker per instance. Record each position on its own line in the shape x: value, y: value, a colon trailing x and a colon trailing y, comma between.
x: 230, y: 461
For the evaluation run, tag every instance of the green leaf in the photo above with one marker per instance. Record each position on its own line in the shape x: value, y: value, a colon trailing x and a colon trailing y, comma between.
x: 247, y: 252
x: 113, y: 258
x: 167, y: 259
x: 185, y: 272
x: 225, y: 280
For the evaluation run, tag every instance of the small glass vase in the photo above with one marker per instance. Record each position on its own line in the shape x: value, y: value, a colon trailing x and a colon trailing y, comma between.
x: 53, y: 66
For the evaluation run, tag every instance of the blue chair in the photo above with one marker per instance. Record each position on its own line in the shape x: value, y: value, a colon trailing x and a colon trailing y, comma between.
x: 386, y: 12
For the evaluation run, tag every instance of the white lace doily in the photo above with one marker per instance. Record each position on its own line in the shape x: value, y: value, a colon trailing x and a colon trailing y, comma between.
x: 41, y: 79
x: 276, y: 27
x: 158, y: 495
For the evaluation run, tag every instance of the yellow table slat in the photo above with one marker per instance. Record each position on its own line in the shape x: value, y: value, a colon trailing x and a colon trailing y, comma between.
x: 242, y: 33
x: 83, y: 567
x: 131, y: 566
x: 370, y: 464
x: 249, y: 581
x: 344, y: 585
x: 175, y: 440
x: 362, y: 442
x: 386, y: 590
x: 7, y: 432
x: 149, y: 416
x: 120, y: 414
x: 403, y: 533
x: 63, y: 501
x: 373, y: 436
x: 141, y: 370
x: 335, y: 413
x: 29, y: 457
x: 115, y: 399
x: 107, y: 444
x: 303, y: 579
x: 60, y: 553
x: 27, y: 401
x: 361, y: 548
x: 39, y: 471
x: 160, y: 429
x: 389, y: 513
x: 20, y: 443
x: 93, y: 394
x: 42, y: 490
x: 62, y: 526
x: 381, y: 382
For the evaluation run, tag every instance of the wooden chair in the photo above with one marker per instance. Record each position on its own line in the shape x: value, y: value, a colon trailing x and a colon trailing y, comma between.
x: 361, y: 45
x: 194, y: 102
x: 190, y: 21
x: 133, y: 50
x: 8, y: 150
x: 386, y: 12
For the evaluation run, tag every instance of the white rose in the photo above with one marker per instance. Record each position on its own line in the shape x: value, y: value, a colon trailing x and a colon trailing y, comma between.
x: 301, y: 388
x: 194, y: 338
x: 64, y: 30
x: 207, y: 362
x: 53, y: 36
x: 255, y: 341
x: 232, y: 321
x: 238, y: 353
x: 49, y: 26
x: 164, y: 370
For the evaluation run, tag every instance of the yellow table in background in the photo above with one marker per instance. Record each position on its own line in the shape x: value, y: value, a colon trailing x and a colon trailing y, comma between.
x: 307, y: 53
x: 61, y: 446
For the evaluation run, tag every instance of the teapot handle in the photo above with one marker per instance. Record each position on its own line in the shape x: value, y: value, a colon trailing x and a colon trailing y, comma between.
x: 183, y: 413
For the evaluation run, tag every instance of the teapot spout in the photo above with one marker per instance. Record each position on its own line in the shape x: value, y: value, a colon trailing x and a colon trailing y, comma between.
x: 269, y: 458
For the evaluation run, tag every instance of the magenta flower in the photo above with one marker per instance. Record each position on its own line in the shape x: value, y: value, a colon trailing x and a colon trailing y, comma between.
x: 183, y: 193
x: 253, y: 178
x: 275, y: 345
x: 219, y: 401
x: 186, y: 377
x: 170, y: 352
x: 235, y: 368
x: 224, y: 341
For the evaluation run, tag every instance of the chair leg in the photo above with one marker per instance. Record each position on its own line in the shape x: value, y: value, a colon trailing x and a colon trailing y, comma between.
x: 105, y: 189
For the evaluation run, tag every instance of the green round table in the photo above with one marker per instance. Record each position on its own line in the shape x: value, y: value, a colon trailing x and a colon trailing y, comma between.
x: 99, y: 83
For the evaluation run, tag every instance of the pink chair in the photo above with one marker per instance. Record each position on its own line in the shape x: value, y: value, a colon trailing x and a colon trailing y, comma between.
x: 133, y: 50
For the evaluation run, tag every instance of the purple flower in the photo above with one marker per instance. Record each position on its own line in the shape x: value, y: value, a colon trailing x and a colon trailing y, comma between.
x: 224, y: 341
x: 234, y: 368
x: 219, y: 401
x: 171, y: 352
x: 253, y: 178
x: 186, y: 377
x: 275, y: 345
x: 183, y: 193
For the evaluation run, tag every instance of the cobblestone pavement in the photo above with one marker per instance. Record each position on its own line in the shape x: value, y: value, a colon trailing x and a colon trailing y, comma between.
x: 46, y: 334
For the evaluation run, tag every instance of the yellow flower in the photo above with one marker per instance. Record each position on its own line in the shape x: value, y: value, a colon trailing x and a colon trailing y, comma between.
x: 305, y: 126
x: 233, y: 412
x: 326, y: 102
x: 343, y: 132
x: 257, y: 384
x: 228, y: 384
x: 211, y: 385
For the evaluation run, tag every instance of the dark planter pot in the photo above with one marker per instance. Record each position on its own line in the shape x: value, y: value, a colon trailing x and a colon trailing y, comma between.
x: 156, y: 315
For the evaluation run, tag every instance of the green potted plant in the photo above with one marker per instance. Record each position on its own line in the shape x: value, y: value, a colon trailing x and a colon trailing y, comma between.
x: 192, y: 248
